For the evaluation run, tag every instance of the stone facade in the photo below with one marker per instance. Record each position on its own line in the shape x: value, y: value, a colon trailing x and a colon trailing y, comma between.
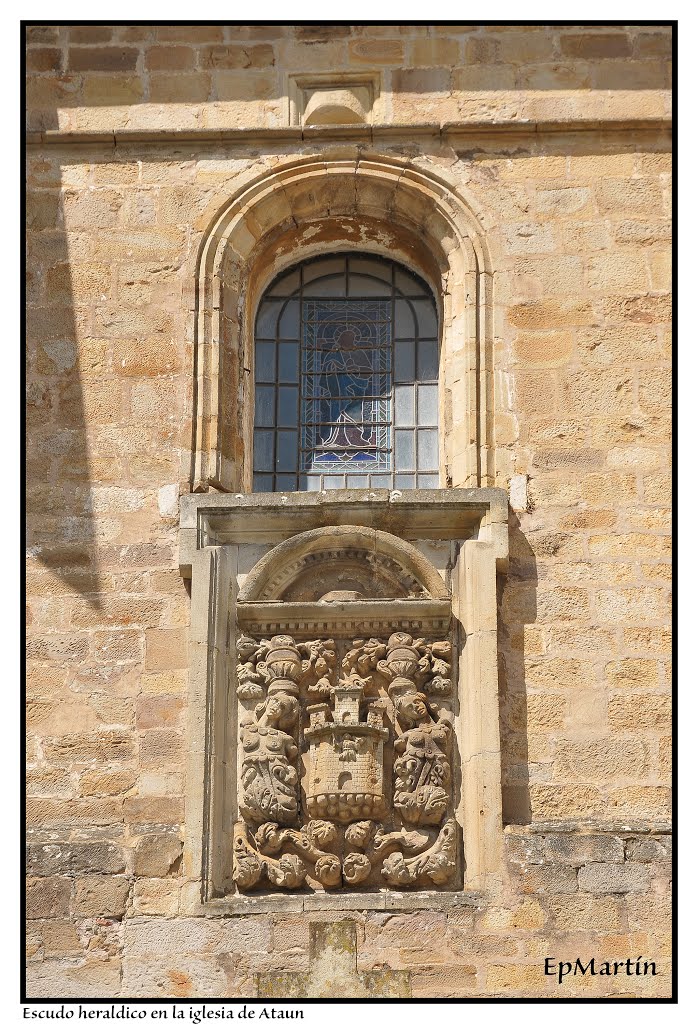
x: 525, y: 174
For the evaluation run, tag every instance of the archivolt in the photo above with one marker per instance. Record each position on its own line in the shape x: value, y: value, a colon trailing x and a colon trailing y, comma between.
x: 375, y: 204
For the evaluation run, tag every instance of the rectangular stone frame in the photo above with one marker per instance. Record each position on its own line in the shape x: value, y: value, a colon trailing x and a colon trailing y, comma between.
x: 222, y: 536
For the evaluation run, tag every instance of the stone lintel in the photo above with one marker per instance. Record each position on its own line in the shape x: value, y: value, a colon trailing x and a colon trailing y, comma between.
x: 455, y: 514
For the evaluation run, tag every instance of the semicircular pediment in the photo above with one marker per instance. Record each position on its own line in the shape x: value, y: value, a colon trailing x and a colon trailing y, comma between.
x: 370, y: 564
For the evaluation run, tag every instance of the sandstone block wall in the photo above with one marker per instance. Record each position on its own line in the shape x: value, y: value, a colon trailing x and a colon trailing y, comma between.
x: 579, y: 234
x: 221, y: 76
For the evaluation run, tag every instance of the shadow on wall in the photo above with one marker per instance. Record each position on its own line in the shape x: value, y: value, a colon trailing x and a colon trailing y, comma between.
x: 517, y: 607
x: 60, y: 522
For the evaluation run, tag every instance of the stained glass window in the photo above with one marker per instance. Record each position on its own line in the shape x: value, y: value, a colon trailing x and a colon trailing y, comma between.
x: 346, y: 378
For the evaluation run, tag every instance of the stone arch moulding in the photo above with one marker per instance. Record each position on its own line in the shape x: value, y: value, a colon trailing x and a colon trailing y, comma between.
x: 347, y: 578
x: 302, y: 209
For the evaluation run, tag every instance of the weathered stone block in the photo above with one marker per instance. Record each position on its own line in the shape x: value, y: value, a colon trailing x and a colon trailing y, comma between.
x: 48, y: 897
x: 602, y: 759
x: 102, y: 58
x: 170, y: 58
x: 632, y: 672
x: 156, y: 897
x: 156, y: 856
x: 644, y: 851
x: 86, y: 34
x: 165, y: 649
x: 517, y: 977
x: 179, y: 87
x: 90, y: 749
x: 614, y: 878
x: 191, y: 34
x: 584, y: 911
x: 159, y: 712
x: 60, y: 939
x: 547, y: 878
x: 525, y: 849
x: 101, y: 896
x: 71, y: 979
x: 101, y: 782
x: 259, y: 55
x: 430, y: 52
x: 640, y: 711
x: 78, y: 812
x: 377, y: 51
x: 161, y: 747
x: 640, y: 802
x: 196, y: 935
x: 564, y: 801
x: 75, y: 858
x: 580, y: 849
x: 164, y: 809
x: 36, y: 34
x: 44, y: 58
x: 596, y: 45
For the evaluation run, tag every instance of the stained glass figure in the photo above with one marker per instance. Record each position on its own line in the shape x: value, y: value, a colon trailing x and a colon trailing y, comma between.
x: 367, y: 412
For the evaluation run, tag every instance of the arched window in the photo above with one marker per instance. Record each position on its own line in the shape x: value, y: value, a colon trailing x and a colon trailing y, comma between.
x: 346, y: 378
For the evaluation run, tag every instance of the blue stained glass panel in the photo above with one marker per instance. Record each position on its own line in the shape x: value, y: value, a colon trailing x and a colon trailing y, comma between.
x: 263, y: 482
x: 427, y: 360
x: 267, y: 318
x: 265, y: 362
x: 344, y: 346
x: 288, y: 361
x: 289, y: 325
x: 346, y: 385
x: 264, y: 406
x: 404, y: 360
x: 288, y: 407
x: 264, y: 450
x: 287, y: 451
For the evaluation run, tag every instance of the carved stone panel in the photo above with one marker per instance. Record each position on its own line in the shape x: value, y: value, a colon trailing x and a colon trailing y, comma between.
x: 343, y: 728
x: 345, y: 775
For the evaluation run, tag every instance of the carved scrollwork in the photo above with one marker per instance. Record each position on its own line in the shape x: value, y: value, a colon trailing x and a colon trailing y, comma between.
x: 373, y: 844
x: 310, y: 843
x: 249, y: 865
x: 436, y: 864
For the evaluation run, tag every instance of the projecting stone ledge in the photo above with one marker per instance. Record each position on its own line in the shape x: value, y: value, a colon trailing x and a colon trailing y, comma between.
x: 333, y: 971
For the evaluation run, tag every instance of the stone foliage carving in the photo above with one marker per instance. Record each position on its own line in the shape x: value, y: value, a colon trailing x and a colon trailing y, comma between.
x: 345, y: 776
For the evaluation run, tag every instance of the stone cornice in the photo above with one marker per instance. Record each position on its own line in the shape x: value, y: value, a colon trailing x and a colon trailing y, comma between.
x: 351, y: 133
